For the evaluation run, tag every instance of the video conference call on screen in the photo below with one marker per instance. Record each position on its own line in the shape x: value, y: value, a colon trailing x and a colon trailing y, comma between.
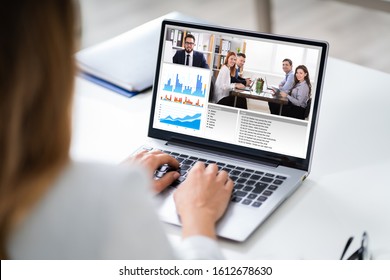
x: 186, y: 99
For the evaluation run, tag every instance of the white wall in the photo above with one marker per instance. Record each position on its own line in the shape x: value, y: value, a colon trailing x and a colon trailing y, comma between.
x: 266, y: 58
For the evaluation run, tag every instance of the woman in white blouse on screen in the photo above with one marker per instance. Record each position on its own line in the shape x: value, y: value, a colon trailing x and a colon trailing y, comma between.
x: 223, y: 84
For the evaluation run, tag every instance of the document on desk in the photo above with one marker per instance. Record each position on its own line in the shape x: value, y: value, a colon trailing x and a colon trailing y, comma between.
x: 266, y: 94
x: 126, y: 64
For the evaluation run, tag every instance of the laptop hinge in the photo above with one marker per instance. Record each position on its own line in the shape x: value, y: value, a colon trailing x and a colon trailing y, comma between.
x: 223, y: 152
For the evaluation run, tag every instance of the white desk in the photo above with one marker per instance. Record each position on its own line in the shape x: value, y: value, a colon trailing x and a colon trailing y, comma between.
x: 346, y: 193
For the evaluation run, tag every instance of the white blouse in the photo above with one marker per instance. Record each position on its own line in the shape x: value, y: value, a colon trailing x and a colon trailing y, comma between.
x: 96, y: 211
x: 222, y: 85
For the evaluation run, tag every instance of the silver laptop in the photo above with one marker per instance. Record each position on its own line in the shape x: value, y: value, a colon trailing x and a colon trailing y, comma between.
x: 268, y: 156
x: 250, y: 87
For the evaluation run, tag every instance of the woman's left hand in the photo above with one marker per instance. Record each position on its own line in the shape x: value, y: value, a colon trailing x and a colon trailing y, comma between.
x: 283, y: 94
x: 152, y: 160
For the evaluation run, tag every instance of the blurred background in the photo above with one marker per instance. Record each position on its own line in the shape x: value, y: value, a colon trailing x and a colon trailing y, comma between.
x: 358, y: 31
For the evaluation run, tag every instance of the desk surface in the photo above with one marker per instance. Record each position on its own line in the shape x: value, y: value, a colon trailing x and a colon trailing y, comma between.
x: 346, y: 193
x: 275, y: 98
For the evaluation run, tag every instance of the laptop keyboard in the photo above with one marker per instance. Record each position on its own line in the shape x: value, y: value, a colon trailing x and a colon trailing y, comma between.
x: 251, y: 187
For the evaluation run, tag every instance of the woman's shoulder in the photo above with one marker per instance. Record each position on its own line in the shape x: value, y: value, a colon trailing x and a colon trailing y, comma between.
x: 76, y: 171
x: 224, y: 69
x: 82, y: 175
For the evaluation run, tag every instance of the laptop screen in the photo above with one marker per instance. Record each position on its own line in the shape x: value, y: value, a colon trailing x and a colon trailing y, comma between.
x: 199, y: 91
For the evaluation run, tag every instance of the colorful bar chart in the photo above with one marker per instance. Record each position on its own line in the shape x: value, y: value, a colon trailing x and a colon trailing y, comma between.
x: 180, y: 79
x: 178, y: 87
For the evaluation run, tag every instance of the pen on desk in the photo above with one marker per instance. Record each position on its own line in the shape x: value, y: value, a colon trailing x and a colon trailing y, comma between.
x: 346, y: 247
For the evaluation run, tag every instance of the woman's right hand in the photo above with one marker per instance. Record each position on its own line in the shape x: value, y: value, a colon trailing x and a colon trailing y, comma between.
x: 202, y: 198
x: 239, y: 86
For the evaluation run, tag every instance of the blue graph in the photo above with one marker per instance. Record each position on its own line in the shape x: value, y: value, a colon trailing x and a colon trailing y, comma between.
x: 200, y: 88
x: 192, y: 122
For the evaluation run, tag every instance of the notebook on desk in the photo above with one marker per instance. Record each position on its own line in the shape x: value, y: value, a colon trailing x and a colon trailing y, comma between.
x: 126, y: 63
x: 268, y: 156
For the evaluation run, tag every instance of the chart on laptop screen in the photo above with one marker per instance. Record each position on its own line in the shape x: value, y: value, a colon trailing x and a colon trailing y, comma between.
x: 186, y: 102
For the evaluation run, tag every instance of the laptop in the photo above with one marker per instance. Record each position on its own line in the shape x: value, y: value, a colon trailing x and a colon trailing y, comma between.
x: 268, y: 156
x: 250, y: 87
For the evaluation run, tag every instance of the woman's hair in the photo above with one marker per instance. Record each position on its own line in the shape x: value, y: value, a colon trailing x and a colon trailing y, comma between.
x: 233, y: 69
x: 307, y: 78
x: 37, y: 74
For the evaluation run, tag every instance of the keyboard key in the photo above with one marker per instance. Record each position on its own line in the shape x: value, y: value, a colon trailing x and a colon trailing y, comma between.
x: 230, y: 166
x: 259, y: 172
x: 234, y: 178
x: 256, y: 204
x: 255, y: 177
x: 175, y: 154
x: 184, y: 167
x: 250, y: 182
x: 188, y: 161
x: 240, y: 193
x: 163, y: 168
x: 252, y: 196
x: 267, y: 193
x: 248, y: 189
x: 261, y: 185
x: 240, y: 168
x: 249, y: 170
x: 270, y: 175
x: 180, y: 159
x: 240, y: 180
x: 266, y: 179
x: 181, y: 179
x: 278, y: 182
x: 235, y: 173
x: 262, y: 198
x: 272, y: 187
x: 246, y: 201
x: 281, y: 177
x: 245, y: 174
x: 194, y: 158
x: 159, y: 174
x: 182, y: 172
x: 236, y: 199
x: 259, y: 188
x: 238, y: 186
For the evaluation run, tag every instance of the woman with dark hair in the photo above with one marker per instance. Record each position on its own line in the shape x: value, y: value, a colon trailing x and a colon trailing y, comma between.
x: 300, y: 94
x: 54, y: 208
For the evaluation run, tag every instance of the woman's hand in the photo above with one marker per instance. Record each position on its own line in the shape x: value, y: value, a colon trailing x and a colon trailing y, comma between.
x: 239, y: 86
x: 202, y: 198
x: 153, y: 160
x: 283, y: 94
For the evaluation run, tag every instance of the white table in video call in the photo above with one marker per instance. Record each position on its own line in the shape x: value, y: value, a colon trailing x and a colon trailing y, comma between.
x: 346, y: 193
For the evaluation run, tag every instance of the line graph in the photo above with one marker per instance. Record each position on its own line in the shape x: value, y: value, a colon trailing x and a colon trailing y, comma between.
x: 181, y: 116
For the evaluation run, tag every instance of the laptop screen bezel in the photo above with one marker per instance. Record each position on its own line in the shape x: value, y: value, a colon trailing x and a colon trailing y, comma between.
x: 255, y: 154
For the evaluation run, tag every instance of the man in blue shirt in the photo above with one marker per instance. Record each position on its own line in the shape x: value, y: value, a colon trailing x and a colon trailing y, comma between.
x: 285, y: 85
x: 188, y: 56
